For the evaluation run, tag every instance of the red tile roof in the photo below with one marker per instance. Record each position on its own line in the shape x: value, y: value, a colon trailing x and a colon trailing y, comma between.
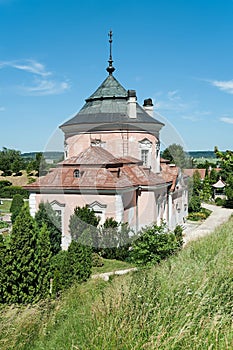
x: 100, y: 170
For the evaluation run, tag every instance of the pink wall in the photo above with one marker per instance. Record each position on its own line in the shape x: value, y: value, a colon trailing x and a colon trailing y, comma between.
x: 118, y: 143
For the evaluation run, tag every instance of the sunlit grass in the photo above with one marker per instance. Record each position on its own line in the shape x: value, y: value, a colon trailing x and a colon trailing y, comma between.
x: 184, y: 303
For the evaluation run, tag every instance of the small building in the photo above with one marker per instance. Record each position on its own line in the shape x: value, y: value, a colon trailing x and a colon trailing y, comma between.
x: 219, y: 189
x: 112, y: 164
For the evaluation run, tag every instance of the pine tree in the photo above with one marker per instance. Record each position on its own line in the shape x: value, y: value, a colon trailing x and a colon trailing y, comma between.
x: 46, y: 215
x: 44, y: 255
x: 3, y: 269
x: 16, y: 205
x: 23, y: 259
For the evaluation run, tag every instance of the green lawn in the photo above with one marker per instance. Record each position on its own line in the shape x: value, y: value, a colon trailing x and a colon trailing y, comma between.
x: 111, y: 265
x: 5, y: 207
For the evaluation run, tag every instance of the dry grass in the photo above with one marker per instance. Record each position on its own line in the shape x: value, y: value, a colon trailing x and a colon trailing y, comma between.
x: 17, y: 180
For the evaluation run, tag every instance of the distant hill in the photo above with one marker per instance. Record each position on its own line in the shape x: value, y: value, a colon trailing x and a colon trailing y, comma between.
x: 53, y: 155
x: 202, y: 154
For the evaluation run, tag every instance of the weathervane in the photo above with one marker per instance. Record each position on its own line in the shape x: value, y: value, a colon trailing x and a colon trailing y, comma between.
x: 110, y: 68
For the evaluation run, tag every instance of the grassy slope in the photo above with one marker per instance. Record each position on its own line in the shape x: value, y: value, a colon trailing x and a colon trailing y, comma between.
x: 185, y: 303
x: 17, y: 180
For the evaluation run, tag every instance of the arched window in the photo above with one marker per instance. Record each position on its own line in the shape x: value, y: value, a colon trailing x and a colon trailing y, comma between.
x: 76, y: 173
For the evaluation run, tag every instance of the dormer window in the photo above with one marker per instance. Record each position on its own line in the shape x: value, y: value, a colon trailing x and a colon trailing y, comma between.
x: 77, y: 173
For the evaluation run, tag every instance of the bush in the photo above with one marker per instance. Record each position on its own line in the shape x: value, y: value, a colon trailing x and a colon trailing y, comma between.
x: 82, y: 219
x: 154, y: 244
x: 220, y: 201
x: 73, y: 265
x: 46, y: 215
x: 194, y: 204
x: 5, y: 183
x: 114, y: 240
x: 97, y: 260
x: 10, y: 191
x: 16, y: 205
x: 228, y: 203
x: 201, y: 215
x: 3, y: 224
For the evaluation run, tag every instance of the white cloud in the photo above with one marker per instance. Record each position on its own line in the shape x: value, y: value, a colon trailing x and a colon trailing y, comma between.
x: 227, y: 120
x: 173, y: 102
x: 2, y: 109
x: 27, y: 65
x: 40, y: 84
x: 226, y: 86
x: 43, y: 87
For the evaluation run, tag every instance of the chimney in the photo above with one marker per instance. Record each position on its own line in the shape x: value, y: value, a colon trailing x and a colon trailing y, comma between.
x: 148, y: 106
x: 132, y: 104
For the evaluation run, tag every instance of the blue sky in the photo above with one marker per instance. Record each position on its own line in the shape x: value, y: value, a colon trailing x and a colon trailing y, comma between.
x: 53, y: 55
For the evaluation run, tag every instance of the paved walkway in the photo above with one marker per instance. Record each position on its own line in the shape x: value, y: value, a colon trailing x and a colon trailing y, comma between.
x: 195, y: 230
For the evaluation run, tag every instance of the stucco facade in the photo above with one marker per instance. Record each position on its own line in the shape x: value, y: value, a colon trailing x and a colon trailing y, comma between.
x: 112, y: 164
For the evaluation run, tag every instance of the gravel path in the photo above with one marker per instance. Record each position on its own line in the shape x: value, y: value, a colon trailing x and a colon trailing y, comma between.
x: 218, y: 216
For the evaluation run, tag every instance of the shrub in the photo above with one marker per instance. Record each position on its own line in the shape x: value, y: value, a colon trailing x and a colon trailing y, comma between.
x: 220, y: 201
x: 5, y: 183
x: 201, y: 215
x: 16, y: 205
x: 114, y: 240
x: 154, y: 244
x: 82, y: 219
x: 97, y: 260
x: 10, y: 191
x: 194, y: 204
x: 3, y: 224
x: 73, y: 265
x: 46, y: 215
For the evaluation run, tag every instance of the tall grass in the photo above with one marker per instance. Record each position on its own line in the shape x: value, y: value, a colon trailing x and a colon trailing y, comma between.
x: 184, y: 303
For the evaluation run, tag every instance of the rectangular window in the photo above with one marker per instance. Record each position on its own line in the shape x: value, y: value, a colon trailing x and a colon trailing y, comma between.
x: 144, y: 156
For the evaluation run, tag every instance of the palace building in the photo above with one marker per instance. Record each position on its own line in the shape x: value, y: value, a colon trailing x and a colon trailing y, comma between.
x: 112, y: 164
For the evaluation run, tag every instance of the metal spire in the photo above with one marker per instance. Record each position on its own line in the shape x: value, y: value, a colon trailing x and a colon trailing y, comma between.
x: 110, y: 68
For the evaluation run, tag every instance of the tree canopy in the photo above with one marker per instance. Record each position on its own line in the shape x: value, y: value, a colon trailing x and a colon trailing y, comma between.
x: 176, y: 154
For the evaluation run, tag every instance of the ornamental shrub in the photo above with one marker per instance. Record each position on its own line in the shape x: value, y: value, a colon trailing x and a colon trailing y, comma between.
x: 154, y: 244
x: 16, y: 206
x: 46, y: 215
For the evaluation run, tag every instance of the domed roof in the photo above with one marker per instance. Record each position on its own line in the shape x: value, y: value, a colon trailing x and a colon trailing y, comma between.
x: 106, y: 109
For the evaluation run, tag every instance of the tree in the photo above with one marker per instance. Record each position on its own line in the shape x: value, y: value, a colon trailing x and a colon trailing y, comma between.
x: 10, y: 161
x: 213, y: 176
x: 16, y: 206
x: 114, y: 240
x: 206, y: 190
x: 46, y: 215
x: 3, y: 270
x: 23, y: 267
x: 44, y: 254
x: 176, y: 154
x: 83, y: 219
x: 226, y: 164
x: 197, y: 183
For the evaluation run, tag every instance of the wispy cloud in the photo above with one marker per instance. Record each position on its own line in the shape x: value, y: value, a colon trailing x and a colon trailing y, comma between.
x: 43, y: 82
x: 2, y: 109
x: 227, y: 120
x: 28, y: 65
x: 43, y: 87
x: 226, y: 86
x: 173, y: 102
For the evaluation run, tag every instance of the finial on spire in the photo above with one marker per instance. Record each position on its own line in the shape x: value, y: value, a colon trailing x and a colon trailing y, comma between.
x: 110, y: 68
